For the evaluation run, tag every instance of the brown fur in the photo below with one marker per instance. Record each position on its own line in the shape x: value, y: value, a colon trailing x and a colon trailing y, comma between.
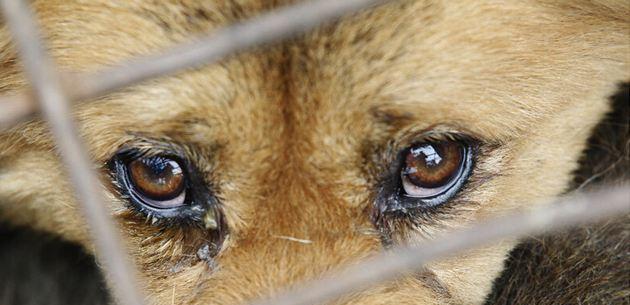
x: 293, y: 138
x: 586, y: 265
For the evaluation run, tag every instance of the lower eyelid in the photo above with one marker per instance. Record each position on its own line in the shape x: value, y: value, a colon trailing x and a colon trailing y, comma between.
x: 166, y: 204
x: 419, y: 191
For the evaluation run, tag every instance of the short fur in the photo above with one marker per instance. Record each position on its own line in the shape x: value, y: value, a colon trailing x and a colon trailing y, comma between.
x: 586, y: 265
x: 294, y: 138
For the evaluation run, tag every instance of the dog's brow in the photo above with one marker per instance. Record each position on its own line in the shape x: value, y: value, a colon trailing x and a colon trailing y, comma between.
x: 391, y: 117
x: 431, y: 280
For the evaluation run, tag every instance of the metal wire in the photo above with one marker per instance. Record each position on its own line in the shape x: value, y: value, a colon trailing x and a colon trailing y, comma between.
x: 48, y: 89
x: 273, y: 26
x: 42, y: 74
x: 574, y: 210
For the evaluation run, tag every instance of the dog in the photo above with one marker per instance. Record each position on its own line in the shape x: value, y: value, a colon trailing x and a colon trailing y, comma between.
x: 387, y: 128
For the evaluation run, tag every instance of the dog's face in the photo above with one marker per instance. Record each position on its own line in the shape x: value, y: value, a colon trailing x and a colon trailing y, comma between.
x: 388, y: 128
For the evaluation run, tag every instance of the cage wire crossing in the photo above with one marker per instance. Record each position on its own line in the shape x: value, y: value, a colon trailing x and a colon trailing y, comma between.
x: 51, y: 93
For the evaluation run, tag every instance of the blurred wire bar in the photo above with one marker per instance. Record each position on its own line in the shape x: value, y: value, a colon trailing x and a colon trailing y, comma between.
x: 276, y: 25
x: 54, y: 99
x: 40, y: 71
x: 580, y: 208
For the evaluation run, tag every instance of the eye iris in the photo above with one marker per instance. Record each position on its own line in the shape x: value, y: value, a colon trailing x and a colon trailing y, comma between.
x: 157, y: 178
x: 433, y: 165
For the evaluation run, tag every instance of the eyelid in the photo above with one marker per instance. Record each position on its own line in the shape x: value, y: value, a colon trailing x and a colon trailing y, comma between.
x: 435, y: 133
x: 142, y: 150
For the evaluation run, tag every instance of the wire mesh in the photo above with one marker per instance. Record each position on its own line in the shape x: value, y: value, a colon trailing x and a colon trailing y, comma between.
x: 276, y: 25
x: 54, y: 100
x: 577, y: 209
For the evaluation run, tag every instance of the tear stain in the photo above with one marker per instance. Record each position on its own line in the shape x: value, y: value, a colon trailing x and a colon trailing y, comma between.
x: 210, y: 220
x: 178, y: 267
x: 206, y: 253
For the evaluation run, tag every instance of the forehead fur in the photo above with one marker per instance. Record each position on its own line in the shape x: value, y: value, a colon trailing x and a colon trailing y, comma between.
x: 427, y: 61
x: 286, y: 131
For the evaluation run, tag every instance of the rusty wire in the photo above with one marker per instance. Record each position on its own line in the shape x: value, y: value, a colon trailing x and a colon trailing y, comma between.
x: 286, y: 22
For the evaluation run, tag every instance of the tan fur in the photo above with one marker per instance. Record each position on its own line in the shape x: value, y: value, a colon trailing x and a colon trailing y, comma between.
x: 291, y: 135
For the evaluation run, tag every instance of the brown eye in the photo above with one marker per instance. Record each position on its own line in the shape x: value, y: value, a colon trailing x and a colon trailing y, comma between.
x: 431, y: 169
x: 157, y: 181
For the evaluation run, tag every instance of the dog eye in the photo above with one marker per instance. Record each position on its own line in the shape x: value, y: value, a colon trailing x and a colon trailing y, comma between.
x: 431, y: 169
x: 156, y: 185
x: 426, y: 175
x: 162, y: 185
x: 157, y: 181
x: 430, y: 173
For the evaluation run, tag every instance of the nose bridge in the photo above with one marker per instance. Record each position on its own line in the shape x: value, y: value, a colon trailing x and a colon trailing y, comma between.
x: 303, y: 214
x: 301, y: 230
x: 307, y: 205
x: 263, y: 264
x: 297, y: 224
